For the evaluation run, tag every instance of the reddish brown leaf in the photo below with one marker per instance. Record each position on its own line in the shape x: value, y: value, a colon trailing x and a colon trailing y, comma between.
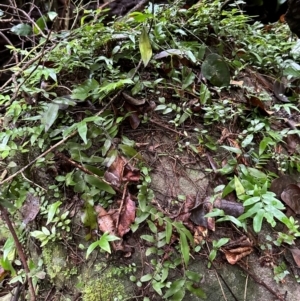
x: 234, y: 255
x: 292, y: 142
x: 237, y: 249
x: 134, y: 119
x: 121, y: 171
x: 199, y: 234
x: 115, y: 171
x: 185, y: 210
x: 256, y: 102
x: 131, y: 173
x: 296, y: 255
x: 291, y: 197
x: 127, y: 216
x: 3, y: 273
x: 105, y: 220
x: 30, y: 208
x: 278, y: 185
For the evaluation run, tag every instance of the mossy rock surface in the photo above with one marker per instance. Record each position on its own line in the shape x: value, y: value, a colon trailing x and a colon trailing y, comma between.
x: 59, y: 269
x: 107, y: 287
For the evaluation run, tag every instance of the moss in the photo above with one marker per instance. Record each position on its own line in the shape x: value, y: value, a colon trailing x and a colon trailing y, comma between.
x: 55, y: 260
x: 105, y: 288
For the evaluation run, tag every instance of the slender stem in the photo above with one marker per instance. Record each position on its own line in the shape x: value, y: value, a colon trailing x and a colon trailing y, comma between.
x: 20, y: 251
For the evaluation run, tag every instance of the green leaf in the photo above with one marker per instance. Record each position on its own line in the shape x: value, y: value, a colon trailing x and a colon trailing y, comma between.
x: 96, y: 182
x: 46, y: 231
x: 52, y: 210
x: 250, y: 212
x: 232, y: 149
x: 110, y: 158
x: 157, y: 286
x: 257, y: 173
x: 178, y: 296
x: 91, y: 248
x: 176, y: 286
x: 110, y: 87
x: 145, y: 47
x: 7, y: 266
x: 21, y: 29
x: 152, y: 226
x: 41, y: 24
x: 204, y: 94
x: 104, y: 244
x: 231, y: 219
x: 195, y: 291
x: 238, y: 186
x: 148, y: 238
x: 195, y: 277
x: 152, y: 250
x: 185, y: 249
x: 9, y: 248
x: 247, y: 140
x: 184, y: 117
x: 168, y: 231
x: 83, y: 91
x: 228, y: 188
x: 38, y: 234
x: 50, y: 115
x: 257, y: 220
x: 216, y: 70
x: 252, y: 200
x: 188, y: 77
x: 164, y: 274
x: 146, y: 278
x: 82, y: 131
x: 89, y: 216
x: 106, y: 147
x: 94, y: 170
x: 221, y: 242
x: 130, y: 151
x: 52, y: 15
x: 212, y: 255
x: 264, y: 143
x: 7, y: 204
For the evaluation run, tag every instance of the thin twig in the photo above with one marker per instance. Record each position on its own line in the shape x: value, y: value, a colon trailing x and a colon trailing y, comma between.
x: 261, y: 282
x: 19, y: 250
x: 167, y: 128
x: 40, y: 156
x: 122, y: 203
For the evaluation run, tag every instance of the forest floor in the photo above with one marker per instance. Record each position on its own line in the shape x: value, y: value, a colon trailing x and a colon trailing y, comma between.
x: 153, y: 159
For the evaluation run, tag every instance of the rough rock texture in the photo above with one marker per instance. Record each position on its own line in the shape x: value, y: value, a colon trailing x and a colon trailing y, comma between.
x: 292, y: 16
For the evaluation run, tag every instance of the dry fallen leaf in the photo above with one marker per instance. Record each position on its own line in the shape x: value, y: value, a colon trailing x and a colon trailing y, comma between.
x: 30, y: 208
x: 278, y: 185
x: 237, y: 249
x: 131, y: 174
x: 105, y: 220
x: 134, y: 119
x: 185, y: 211
x: 127, y: 216
x: 114, y: 173
x: 291, y: 197
x: 296, y: 255
x: 234, y: 255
